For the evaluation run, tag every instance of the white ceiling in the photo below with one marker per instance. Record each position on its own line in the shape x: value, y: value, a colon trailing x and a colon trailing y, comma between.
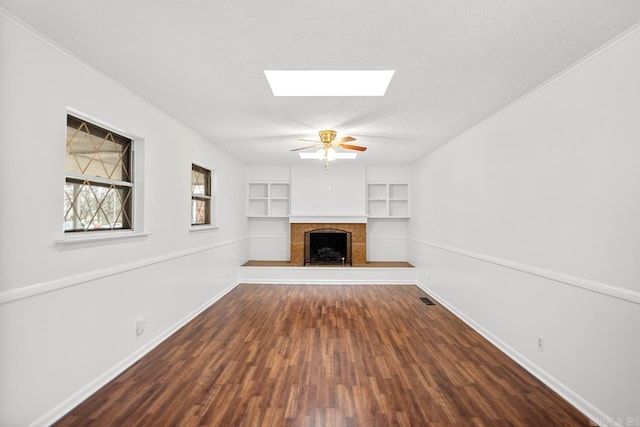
x: 456, y: 61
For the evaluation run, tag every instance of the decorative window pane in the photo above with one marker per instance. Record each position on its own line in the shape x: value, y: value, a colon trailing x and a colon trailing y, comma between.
x: 200, y: 195
x: 98, y: 187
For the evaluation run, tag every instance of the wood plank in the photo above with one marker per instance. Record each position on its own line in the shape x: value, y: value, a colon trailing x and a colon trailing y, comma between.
x: 278, y: 355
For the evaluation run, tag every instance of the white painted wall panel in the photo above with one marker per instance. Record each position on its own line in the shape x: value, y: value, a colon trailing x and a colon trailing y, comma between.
x: 67, y: 317
x: 341, y: 190
x: 387, y: 239
x: 547, y: 189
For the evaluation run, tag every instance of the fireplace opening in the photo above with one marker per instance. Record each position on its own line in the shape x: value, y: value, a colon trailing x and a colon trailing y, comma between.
x: 327, y: 247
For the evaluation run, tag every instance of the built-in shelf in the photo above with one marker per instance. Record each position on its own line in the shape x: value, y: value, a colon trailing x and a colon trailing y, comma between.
x: 388, y: 200
x: 268, y: 199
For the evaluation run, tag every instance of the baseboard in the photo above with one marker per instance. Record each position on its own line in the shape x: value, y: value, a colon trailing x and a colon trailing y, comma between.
x: 328, y: 282
x: 75, y: 399
x: 328, y: 275
x: 569, y: 395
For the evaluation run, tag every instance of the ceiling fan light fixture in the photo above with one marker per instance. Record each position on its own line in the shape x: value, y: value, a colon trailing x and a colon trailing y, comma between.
x: 331, y: 155
x: 310, y: 156
x: 329, y: 82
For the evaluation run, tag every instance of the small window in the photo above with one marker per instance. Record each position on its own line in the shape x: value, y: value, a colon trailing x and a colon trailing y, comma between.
x: 200, y: 195
x: 98, y: 187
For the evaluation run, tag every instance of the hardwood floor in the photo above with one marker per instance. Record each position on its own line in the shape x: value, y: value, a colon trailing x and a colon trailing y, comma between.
x: 300, y: 355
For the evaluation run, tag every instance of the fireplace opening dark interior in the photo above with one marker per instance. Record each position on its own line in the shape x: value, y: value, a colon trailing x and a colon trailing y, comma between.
x: 327, y: 247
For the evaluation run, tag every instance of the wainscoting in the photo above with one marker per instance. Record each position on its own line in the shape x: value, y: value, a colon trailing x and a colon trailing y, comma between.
x: 582, y: 360
x: 64, y: 339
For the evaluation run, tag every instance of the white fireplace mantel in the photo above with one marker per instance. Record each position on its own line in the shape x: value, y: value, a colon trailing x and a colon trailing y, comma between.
x: 328, y: 219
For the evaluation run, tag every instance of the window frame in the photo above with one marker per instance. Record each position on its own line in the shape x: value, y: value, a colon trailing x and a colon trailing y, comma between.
x: 80, y: 238
x: 210, y: 199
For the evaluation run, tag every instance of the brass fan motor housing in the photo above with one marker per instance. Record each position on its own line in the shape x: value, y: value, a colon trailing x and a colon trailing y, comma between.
x: 327, y: 136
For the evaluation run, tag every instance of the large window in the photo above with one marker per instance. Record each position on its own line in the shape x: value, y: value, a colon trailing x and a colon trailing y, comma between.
x: 200, y: 195
x: 99, y: 186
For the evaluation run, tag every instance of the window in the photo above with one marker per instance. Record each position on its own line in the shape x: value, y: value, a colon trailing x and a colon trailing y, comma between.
x: 98, y: 187
x: 200, y: 195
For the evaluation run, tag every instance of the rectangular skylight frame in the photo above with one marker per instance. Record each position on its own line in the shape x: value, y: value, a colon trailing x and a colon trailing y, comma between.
x: 329, y: 82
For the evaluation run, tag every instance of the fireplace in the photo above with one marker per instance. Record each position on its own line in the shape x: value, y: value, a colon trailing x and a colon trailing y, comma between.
x: 356, y: 234
x: 327, y: 246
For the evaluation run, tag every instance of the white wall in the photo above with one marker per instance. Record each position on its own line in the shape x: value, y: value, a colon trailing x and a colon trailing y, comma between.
x: 341, y: 190
x: 527, y: 225
x: 67, y: 315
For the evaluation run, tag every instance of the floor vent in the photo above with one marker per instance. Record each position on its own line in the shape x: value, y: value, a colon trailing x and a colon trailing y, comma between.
x: 427, y: 301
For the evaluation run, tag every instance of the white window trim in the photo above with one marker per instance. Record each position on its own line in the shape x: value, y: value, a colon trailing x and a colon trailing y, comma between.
x: 213, y: 205
x: 98, y: 238
x: 203, y: 227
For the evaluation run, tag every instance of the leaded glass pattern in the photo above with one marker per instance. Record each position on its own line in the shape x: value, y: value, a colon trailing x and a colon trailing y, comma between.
x: 98, y: 187
x: 200, y: 195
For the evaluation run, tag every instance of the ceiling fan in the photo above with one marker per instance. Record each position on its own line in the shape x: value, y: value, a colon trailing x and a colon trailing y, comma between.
x: 328, y: 140
x: 328, y: 144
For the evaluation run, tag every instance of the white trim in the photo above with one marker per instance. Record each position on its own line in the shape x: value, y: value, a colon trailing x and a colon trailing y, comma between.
x: 590, y: 285
x: 79, y: 279
x: 84, y: 239
x: 389, y: 217
x: 549, y: 380
x: 101, y: 123
x: 328, y: 219
x: 43, y: 38
x: 338, y: 282
x: 203, y: 227
x: 137, y: 149
x: 76, y: 398
x: 328, y: 275
x: 584, y: 60
x: 212, y: 199
x: 370, y: 237
x: 98, y: 179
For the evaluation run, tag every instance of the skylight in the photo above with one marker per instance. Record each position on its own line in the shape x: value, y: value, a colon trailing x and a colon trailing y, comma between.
x: 329, y: 82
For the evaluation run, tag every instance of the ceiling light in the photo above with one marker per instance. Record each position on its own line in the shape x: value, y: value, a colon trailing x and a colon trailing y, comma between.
x: 329, y: 82
x: 331, y: 155
x: 327, y: 155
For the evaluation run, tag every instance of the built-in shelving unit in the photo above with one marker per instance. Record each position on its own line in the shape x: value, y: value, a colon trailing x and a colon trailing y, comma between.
x: 388, y: 200
x: 268, y: 199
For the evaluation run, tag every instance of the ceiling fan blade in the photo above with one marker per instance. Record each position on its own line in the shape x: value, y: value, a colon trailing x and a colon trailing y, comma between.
x: 345, y: 139
x: 353, y: 147
x: 304, y: 148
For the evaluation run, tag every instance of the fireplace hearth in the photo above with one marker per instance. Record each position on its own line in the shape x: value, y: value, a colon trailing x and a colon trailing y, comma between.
x: 327, y: 246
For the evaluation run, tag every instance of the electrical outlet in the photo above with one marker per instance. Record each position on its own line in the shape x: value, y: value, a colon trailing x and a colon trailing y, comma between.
x: 540, y: 343
x: 141, y: 324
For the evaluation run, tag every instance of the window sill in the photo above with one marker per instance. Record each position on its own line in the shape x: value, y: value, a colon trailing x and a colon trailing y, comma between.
x: 199, y: 228
x: 85, y: 240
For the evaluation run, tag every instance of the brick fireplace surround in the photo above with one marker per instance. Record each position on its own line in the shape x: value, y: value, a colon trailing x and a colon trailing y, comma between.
x: 358, y: 240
